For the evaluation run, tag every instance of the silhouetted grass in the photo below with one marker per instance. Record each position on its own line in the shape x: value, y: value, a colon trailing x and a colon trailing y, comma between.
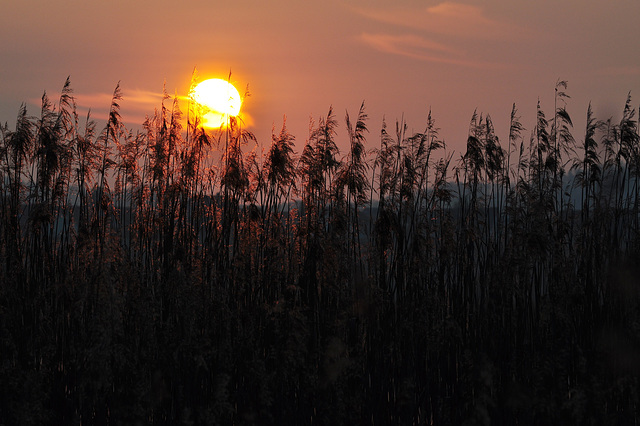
x: 181, y: 275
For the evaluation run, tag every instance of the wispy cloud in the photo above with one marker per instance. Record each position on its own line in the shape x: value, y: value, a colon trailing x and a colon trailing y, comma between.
x: 131, y: 98
x: 447, y: 18
x: 407, y: 44
x: 143, y: 97
x: 418, y: 47
x: 135, y: 104
x: 441, y: 33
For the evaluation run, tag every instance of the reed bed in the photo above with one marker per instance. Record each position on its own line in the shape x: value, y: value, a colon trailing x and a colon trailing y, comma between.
x: 178, y: 275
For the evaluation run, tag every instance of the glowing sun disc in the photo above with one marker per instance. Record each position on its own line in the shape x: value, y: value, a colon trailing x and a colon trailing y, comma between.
x: 218, y: 98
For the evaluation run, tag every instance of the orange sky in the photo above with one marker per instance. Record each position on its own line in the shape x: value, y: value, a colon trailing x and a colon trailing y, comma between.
x: 299, y: 57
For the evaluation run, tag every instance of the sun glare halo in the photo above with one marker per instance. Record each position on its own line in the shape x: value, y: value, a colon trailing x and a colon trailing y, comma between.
x: 218, y: 100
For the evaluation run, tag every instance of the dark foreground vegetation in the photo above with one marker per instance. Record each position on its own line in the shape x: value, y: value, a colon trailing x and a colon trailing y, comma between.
x: 183, y: 276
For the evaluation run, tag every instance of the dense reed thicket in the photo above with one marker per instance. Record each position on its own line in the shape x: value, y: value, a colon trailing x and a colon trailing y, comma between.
x: 178, y: 275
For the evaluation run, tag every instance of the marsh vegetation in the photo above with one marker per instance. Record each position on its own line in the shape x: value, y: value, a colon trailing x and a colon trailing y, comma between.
x: 178, y: 275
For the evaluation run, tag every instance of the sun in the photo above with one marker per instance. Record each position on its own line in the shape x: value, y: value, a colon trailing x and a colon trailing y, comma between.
x: 218, y: 100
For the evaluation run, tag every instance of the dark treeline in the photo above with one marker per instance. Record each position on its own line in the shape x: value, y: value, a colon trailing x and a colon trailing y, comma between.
x: 178, y: 275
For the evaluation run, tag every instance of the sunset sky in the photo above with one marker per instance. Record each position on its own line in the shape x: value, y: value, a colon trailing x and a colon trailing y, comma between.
x: 298, y: 58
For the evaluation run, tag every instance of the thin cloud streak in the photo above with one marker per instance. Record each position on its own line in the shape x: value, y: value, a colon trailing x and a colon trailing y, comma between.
x: 134, y: 105
x: 417, y: 47
x: 137, y: 98
x: 396, y: 43
x: 447, y: 18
